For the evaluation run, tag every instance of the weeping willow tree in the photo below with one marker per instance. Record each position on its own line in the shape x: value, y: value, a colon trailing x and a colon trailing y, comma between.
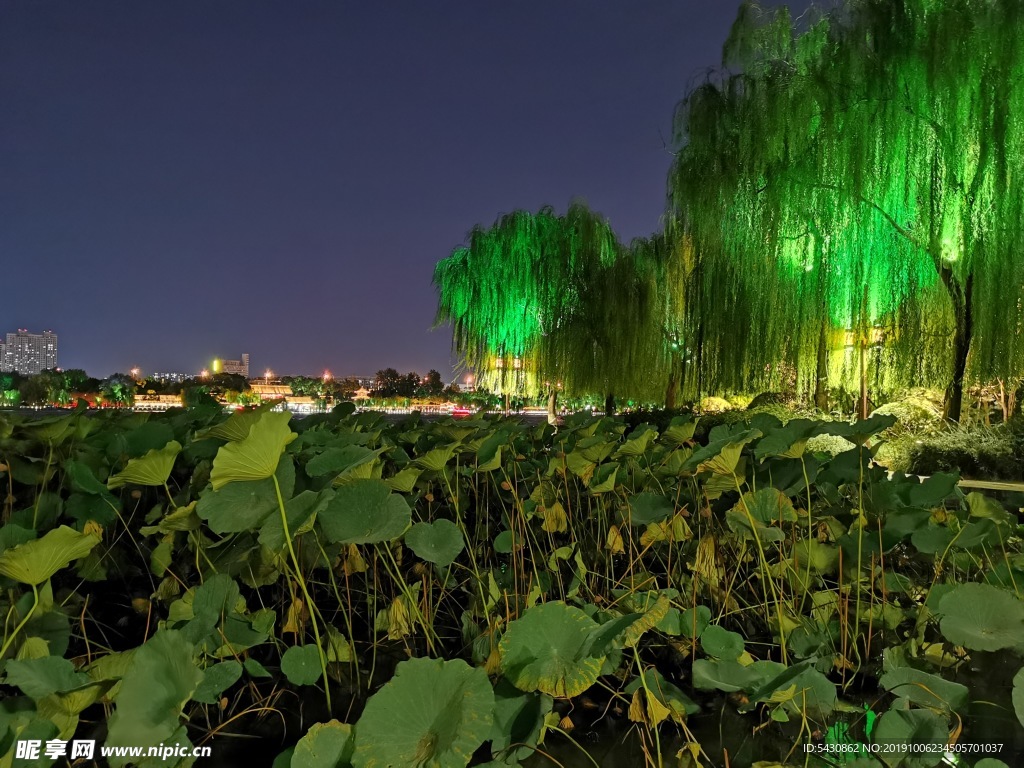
x: 546, y: 303
x: 852, y: 184
x: 663, y: 264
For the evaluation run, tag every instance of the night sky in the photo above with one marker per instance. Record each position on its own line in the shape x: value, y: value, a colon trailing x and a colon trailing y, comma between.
x: 187, y: 179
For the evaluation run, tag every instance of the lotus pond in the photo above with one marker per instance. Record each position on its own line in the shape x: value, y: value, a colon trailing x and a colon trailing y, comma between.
x: 341, y: 591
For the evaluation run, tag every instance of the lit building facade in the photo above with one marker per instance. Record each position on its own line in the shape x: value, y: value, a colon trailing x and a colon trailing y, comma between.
x: 29, y: 353
x: 171, y: 377
x: 240, y: 367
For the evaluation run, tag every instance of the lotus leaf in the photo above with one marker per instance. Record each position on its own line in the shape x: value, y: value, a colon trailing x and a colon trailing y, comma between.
x: 518, y: 720
x: 981, y: 617
x: 1018, y: 695
x: 301, y: 664
x: 439, y: 542
x: 549, y: 650
x: 36, y: 561
x: 365, y: 512
x: 721, y: 643
x: 256, y: 456
x: 676, y: 703
x: 42, y: 676
x: 721, y: 456
x: 645, y: 508
x: 217, y: 679
x: 161, y: 679
x: 237, y: 426
x: 924, y: 689
x: 325, y: 745
x: 431, y: 713
x: 152, y: 469
x: 902, y: 728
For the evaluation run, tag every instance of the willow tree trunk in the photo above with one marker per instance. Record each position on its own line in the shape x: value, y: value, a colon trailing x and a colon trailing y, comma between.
x: 961, y: 297
x: 670, y: 392
x: 552, y: 406
x: 609, y: 404
x: 821, y: 382
x: 862, y: 401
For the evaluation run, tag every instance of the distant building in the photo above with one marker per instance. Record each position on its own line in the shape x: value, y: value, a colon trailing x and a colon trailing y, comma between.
x: 240, y: 367
x: 29, y: 353
x: 274, y: 391
x: 157, y: 402
x: 171, y: 377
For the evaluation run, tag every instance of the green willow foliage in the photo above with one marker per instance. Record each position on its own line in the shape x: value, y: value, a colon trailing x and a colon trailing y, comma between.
x: 856, y: 181
x: 541, y: 300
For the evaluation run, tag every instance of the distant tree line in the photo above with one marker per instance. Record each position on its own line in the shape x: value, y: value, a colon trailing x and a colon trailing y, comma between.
x: 64, y: 387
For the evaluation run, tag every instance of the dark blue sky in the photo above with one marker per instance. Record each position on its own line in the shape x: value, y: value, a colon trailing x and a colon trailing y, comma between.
x: 191, y: 178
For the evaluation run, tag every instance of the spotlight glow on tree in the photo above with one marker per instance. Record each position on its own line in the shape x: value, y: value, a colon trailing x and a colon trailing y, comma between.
x: 859, y: 178
x: 540, y: 299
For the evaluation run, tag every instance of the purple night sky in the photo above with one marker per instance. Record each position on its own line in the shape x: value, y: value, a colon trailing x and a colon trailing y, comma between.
x: 190, y: 179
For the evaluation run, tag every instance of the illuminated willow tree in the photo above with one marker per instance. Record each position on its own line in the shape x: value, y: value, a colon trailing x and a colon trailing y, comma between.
x: 859, y: 182
x: 542, y: 303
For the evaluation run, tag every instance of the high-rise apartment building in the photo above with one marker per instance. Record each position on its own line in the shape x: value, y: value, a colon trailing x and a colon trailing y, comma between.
x: 241, y: 367
x: 29, y: 353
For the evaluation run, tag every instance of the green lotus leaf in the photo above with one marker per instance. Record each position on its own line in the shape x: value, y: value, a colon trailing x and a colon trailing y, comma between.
x: 693, y: 621
x: 727, y: 676
x: 721, y: 456
x: 822, y: 558
x: 435, y: 459
x: 325, y: 745
x: 604, y: 478
x: 625, y: 631
x: 152, y: 469
x: 800, y: 688
x: 257, y: 456
x: 897, y: 730
x: 924, y: 689
x: 982, y: 506
x: 217, y: 678
x: 365, y: 512
x: 301, y: 511
x: 36, y: 561
x: 768, y: 505
x: 431, y: 713
x: 678, y: 703
x: 405, y: 480
x: 981, y: 617
x: 549, y: 649
x: 518, y: 722
x: 637, y: 443
x: 301, y: 664
x: 1018, y: 695
x: 439, y: 542
x: 43, y: 676
x: 680, y: 430
x: 236, y: 427
x: 786, y: 442
x: 720, y: 643
x: 646, y: 508
x: 859, y: 432
x: 161, y: 679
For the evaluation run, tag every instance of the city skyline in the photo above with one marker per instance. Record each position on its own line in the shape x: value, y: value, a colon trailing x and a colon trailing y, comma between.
x: 182, y: 180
